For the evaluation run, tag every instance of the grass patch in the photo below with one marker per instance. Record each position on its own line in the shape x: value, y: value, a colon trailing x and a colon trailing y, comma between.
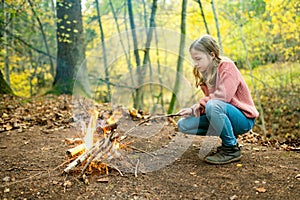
x: 275, y: 75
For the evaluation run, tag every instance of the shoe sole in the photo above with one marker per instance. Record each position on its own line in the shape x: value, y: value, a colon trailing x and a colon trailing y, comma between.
x: 226, y: 162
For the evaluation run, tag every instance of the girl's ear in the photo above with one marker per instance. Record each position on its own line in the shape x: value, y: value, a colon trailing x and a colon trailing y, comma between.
x: 212, y: 54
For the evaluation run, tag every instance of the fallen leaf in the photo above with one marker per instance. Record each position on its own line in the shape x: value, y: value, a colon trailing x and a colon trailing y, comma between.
x: 239, y: 165
x: 67, y: 184
x: 26, y: 142
x: 261, y: 190
x: 256, y: 149
x: 6, y: 179
x: 55, y: 182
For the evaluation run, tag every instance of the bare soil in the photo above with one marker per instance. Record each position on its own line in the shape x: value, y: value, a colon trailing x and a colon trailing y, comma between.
x: 31, y: 168
x: 33, y: 158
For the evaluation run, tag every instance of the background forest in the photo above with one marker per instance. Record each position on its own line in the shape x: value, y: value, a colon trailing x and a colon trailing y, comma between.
x: 135, y: 54
x: 107, y: 51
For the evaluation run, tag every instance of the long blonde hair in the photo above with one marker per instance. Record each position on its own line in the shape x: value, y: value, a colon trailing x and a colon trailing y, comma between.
x: 207, y: 44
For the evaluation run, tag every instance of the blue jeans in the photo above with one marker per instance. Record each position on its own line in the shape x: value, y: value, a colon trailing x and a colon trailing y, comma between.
x: 221, y: 119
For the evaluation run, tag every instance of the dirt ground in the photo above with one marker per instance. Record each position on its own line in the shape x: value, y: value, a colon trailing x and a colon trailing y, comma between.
x: 33, y: 158
x: 31, y: 168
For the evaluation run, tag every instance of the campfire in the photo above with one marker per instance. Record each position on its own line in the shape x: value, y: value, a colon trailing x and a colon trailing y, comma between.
x: 98, y: 145
x: 101, y: 146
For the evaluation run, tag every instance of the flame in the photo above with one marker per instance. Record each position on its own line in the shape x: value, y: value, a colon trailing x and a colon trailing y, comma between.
x: 89, y: 137
x: 111, y: 120
x: 111, y: 145
x: 116, y: 144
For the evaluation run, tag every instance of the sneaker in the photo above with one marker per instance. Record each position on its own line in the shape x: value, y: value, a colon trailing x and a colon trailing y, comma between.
x: 214, y: 151
x: 224, y: 155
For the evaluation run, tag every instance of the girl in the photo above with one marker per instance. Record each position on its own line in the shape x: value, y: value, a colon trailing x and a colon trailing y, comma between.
x: 227, y: 110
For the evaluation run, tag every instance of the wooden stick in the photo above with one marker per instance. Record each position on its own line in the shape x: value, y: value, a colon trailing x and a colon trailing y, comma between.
x: 83, y: 157
x: 136, y: 167
x: 93, y: 155
x: 75, y: 150
x: 146, y: 120
x: 113, y: 166
x: 130, y: 146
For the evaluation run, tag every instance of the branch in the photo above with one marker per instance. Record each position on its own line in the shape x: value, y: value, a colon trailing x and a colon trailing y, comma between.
x: 25, y: 43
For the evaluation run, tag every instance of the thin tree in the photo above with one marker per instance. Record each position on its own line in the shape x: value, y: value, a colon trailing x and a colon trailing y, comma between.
x: 127, y: 56
x: 160, y: 96
x: 104, y: 52
x: 145, y: 13
x: 252, y: 78
x: 136, y: 102
x: 180, y: 57
x: 203, y: 16
x: 217, y: 25
x: 44, y: 36
x: 6, y: 57
x: 149, y: 32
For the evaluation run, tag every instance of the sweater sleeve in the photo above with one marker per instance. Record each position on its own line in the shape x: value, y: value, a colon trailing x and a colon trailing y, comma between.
x: 227, y: 82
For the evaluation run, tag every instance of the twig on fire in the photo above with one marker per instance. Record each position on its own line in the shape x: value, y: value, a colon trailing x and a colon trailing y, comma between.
x: 104, y: 148
x: 83, y: 157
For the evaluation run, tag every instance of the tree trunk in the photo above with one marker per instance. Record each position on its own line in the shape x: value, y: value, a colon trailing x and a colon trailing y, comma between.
x: 203, y: 16
x: 217, y: 25
x: 145, y: 14
x: 44, y: 37
x: 180, y: 57
x: 146, y: 60
x: 108, y: 98
x: 160, y: 97
x: 5, y: 35
x: 150, y: 33
x: 127, y: 55
x: 4, y: 87
x: 136, y: 103
x: 261, y: 113
x: 70, y: 49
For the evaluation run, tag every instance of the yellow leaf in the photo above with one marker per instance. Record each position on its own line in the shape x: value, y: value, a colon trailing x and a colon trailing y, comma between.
x: 261, y: 190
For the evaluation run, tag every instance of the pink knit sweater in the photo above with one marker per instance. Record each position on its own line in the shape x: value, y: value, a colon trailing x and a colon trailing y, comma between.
x: 231, y: 88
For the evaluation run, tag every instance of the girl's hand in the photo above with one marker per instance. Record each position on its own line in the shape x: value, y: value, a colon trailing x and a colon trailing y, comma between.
x: 186, y: 112
x: 197, y: 110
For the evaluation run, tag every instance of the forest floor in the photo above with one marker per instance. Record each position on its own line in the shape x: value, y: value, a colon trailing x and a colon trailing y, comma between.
x: 33, y: 157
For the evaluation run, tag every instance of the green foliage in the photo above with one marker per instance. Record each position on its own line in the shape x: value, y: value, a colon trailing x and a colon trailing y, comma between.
x: 270, y: 29
x: 278, y: 75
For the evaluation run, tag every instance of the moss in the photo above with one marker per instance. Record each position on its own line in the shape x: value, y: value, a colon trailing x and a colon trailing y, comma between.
x: 4, y: 87
x: 67, y: 87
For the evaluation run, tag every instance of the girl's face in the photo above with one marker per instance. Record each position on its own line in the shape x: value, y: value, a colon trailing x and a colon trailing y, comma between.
x: 201, y: 60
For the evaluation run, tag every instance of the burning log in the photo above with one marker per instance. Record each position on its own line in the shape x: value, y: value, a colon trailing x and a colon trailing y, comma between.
x: 96, y: 152
x: 81, y: 158
x: 75, y: 150
x: 107, y: 128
